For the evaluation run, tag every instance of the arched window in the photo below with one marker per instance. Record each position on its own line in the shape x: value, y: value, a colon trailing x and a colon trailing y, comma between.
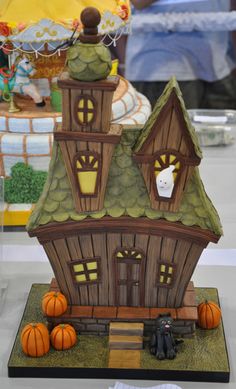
x: 166, y: 171
x: 129, y: 254
x: 87, y: 171
x: 164, y: 160
x: 86, y: 110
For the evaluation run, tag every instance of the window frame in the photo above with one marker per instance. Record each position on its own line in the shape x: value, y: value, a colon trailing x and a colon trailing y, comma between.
x: 86, y: 272
x: 85, y: 109
x: 165, y: 274
x: 88, y: 168
x: 157, y: 156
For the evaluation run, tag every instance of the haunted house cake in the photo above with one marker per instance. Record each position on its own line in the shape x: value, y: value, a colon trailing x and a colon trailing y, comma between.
x: 124, y: 216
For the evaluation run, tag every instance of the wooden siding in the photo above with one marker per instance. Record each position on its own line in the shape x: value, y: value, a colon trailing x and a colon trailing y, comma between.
x: 180, y: 254
x: 170, y: 132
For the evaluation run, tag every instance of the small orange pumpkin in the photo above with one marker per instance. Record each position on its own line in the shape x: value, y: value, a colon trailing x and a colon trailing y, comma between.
x: 54, y: 304
x: 63, y: 337
x: 209, y: 315
x: 35, y: 339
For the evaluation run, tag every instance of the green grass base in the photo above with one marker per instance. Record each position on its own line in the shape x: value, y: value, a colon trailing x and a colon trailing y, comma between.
x: 201, y: 358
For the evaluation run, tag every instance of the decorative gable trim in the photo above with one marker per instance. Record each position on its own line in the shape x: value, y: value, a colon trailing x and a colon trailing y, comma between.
x: 171, y: 97
x: 156, y: 123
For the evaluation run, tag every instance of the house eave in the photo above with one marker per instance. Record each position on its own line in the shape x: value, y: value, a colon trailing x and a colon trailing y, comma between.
x: 124, y: 224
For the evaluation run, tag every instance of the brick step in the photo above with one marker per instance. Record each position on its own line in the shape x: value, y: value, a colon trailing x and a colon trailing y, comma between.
x: 126, y: 328
x: 122, y: 342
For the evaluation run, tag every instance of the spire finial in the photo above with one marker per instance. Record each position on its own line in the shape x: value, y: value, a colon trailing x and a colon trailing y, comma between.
x: 90, y: 18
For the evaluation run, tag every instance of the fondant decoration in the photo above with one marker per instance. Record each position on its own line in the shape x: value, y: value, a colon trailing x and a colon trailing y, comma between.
x: 63, y: 337
x: 17, y: 80
x: 40, y: 24
x: 162, y: 343
x: 111, y: 248
x: 54, y: 304
x: 108, y: 22
x: 209, y: 315
x: 89, y: 59
x: 165, y: 182
x: 161, y: 145
x: 25, y: 184
x: 35, y: 340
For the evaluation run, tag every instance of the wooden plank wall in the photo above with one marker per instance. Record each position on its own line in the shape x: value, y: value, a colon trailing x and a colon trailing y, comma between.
x: 182, y: 254
x: 66, y: 111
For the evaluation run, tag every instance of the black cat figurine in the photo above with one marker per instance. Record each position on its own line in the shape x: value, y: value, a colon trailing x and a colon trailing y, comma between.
x: 162, y: 343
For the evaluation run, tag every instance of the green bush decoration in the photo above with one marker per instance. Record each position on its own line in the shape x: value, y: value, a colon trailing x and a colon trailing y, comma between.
x: 25, y: 184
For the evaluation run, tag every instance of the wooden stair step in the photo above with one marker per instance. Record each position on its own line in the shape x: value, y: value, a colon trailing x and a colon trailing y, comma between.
x: 125, y: 328
x: 122, y: 342
x: 124, y: 359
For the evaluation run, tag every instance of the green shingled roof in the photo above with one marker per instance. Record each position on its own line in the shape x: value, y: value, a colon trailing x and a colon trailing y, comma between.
x: 170, y: 87
x: 126, y: 193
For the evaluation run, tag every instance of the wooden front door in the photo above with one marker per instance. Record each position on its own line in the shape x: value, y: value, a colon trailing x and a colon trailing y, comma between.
x: 129, y: 267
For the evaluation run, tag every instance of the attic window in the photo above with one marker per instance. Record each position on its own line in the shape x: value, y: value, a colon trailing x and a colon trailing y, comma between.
x: 85, y: 110
x: 87, y: 172
x: 163, y: 161
x: 166, y: 169
x: 86, y: 270
x: 166, y: 273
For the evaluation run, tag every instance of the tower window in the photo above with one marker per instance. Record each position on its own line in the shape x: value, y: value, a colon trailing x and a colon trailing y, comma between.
x: 87, y: 171
x: 85, y: 110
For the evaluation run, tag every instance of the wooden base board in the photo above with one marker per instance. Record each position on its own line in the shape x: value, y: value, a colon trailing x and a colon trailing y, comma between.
x: 195, y: 365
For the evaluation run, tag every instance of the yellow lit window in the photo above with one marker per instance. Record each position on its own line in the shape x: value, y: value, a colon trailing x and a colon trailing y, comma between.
x: 80, y: 278
x: 86, y: 110
x: 78, y: 268
x: 87, y: 168
x: 129, y: 254
x: 166, y: 274
x: 164, y: 160
x: 86, y: 271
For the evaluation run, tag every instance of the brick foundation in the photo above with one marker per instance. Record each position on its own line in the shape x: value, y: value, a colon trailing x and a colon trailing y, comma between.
x: 94, y: 320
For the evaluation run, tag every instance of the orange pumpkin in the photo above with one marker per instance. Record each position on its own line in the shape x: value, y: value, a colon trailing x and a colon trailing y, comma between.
x: 35, y: 339
x: 63, y: 337
x: 54, y: 304
x: 209, y: 315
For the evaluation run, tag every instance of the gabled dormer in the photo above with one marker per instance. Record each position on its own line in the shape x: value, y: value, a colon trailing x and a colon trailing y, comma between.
x: 167, y: 150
